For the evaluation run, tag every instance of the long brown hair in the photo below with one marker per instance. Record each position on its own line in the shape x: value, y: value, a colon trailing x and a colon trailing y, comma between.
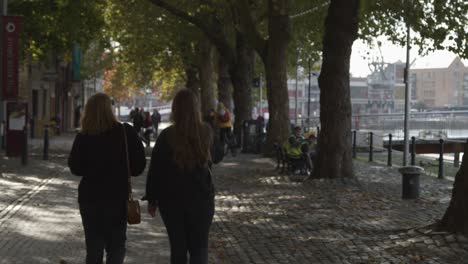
x: 192, y: 138
x: 98, y: 116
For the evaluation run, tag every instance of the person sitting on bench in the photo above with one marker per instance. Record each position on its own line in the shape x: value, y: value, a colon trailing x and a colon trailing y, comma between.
x: 294, y: 154
x: 310, y: 149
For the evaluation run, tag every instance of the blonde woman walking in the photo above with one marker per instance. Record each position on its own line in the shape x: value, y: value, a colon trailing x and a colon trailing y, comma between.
x: 98, y: 156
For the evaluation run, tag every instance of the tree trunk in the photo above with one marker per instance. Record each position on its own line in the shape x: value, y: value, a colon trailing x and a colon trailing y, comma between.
x: 334, y: 143
x: 191, y: 81
x: 241, y: 79
x: 206, y: 70
x: 275, y: 63
x: 224, y: 82
x: 455, y: 219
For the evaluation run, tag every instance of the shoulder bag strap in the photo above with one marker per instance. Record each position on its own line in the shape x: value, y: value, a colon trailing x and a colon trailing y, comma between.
x: 130, y: 194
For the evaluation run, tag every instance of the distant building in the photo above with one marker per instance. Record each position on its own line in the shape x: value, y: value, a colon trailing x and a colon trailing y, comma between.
x: 359, y: 95
x: 386, y: 89
x: 364, y: 100
x: 303, y: 96
x: 440, y: 82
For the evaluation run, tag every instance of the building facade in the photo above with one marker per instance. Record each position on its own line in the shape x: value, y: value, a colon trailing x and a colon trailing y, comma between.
x: 304, y: 106
x: 441, y: 85
x: 386, y: 89
x: 51, y: 94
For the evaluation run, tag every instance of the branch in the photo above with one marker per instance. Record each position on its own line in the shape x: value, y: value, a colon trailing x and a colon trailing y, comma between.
x: 213, y: 31
x: 303, y: 13
x: 181, y: 14
x: 250, y: 29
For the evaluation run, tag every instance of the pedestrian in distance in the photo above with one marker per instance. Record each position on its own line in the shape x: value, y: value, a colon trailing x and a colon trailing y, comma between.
x: 223, y: 120
x: 210, y: 118
x: 179, y: 181
x: 132, y: 113
x: 148, y: 126
x: 99, y: 156
x: 137, y: 121
x: 156, y: 119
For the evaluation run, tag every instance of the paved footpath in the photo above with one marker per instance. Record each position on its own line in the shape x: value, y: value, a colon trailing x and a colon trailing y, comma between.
x: 261, y: 217
x: 40, y: 221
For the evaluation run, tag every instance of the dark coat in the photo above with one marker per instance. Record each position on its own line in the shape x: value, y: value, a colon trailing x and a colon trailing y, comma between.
x: 156, y: 118
x: 168, y: 186
x: 137, y: 121
x: 101, y: 161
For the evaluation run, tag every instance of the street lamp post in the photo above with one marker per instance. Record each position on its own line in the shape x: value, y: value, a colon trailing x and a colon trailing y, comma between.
x: 407, y: 91
x: 308, y: 94
x: 4, y: 11
x: 261, y: 94
x: 295, y: 108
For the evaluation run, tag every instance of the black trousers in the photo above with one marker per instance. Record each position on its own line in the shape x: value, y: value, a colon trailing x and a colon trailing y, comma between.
x: 105, y: 227
x: 225, y: 133
x: 188, y: 229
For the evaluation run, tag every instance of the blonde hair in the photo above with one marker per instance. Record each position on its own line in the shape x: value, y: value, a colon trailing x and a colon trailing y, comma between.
x: 97, y: 115
x: 192, y: 138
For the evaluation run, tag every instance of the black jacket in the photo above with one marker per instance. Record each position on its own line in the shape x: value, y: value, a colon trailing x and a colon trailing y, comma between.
x: 101, y: 160
x: 137, y: 121
x: 168, y: 186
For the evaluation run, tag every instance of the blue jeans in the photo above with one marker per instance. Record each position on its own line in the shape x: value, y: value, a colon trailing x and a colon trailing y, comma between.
x: 105, y: 227
x: 188, y: 229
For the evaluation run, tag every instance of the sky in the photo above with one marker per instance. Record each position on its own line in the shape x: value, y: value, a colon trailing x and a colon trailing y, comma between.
x: 392, y: 53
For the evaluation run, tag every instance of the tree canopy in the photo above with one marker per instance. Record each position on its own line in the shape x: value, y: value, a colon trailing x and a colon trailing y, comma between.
x: 56, y: 25
x: 437, y: 24
x: 151, y: 43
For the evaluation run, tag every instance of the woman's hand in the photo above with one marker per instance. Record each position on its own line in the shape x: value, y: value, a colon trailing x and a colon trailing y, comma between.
x: 152, y: 209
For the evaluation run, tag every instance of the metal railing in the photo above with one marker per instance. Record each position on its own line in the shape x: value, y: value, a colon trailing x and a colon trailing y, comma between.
x: 443, y: 124
x: 440, y: 164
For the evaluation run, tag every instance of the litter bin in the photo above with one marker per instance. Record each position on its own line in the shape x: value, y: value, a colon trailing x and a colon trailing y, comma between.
x: 410, y: 175
x: 250, y: 137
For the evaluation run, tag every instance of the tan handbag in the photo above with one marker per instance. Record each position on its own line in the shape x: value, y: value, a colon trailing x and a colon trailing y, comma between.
x: 134, y: 213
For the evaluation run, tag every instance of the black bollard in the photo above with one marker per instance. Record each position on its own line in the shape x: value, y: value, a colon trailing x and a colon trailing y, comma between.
x: 389, y: 158
x: 2, y: 134
x: 33, y: 127
x: 441, y: 159
x: 413, y: 151
x: 24, y: 151
x: 456, y: 160
x: 45, y: 155
x: 318, y: 131
x: 371, y: 146
x: 354, y: 144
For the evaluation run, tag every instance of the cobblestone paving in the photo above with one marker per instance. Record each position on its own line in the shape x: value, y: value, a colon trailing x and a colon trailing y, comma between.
x: 262, y: 217
x: 40, y: 221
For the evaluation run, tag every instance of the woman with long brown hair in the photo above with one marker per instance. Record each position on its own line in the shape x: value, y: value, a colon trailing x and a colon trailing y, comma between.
x: 179, y: 181
x: 99, y: 156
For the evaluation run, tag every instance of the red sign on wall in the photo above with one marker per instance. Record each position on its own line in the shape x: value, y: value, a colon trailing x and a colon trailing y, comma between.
x: 11, y: 27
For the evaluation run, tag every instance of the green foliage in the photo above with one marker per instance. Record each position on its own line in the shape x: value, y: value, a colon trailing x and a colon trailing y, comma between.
x: 96, y: 59
x: 114, y: 82
x: 435, y: 24
x: 56, y: 24
x: 168, y: 83
x: 307, y: 32
x: 151, y: 43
